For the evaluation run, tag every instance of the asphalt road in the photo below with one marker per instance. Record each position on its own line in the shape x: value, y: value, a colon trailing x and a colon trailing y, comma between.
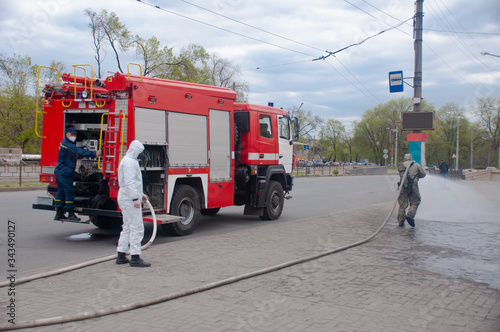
x: 42, y: 243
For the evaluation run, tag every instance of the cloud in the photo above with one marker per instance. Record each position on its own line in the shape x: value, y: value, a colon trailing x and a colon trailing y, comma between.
x: 290, y: 35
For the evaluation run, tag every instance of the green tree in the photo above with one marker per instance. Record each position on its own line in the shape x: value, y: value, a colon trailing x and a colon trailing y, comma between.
x: 193, y: 66
x: 372, y: 133
x: 487, y: 109
x: 442, y: 143
x: 347, y: 152
x: 481, y: 146
x: 156, y: 61
x: 17, y: 105
x: 333, y: 134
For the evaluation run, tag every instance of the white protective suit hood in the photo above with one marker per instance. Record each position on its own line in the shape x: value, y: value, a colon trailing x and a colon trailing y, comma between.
x: 129, y: 176
x: 135, y: 149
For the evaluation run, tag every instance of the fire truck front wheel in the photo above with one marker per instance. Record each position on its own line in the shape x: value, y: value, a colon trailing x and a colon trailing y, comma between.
x: 185, y: 203
x: 274, y: 201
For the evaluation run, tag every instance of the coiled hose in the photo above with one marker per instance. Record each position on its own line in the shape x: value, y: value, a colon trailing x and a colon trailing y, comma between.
x: 209, y: 286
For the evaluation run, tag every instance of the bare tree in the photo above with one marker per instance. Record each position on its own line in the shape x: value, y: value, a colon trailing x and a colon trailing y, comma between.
x: 116, y: 34
x: 98, y: 36
x: 224, y: 74
x: 488, y: 111
x: 308, y: 122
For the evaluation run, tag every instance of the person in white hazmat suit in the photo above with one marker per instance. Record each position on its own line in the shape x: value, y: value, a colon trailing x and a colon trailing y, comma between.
x: 410, y: 194
x: 130, y: 198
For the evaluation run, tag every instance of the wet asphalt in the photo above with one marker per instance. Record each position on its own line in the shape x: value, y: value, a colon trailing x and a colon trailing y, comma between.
x: 457, y: 231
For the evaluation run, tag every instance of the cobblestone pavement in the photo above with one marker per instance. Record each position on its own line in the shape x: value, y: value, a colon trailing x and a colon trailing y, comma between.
x: 373, y: 287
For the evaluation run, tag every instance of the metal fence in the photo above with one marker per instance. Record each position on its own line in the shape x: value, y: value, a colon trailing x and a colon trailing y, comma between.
x: 331, y: 170
x: 453, y: 174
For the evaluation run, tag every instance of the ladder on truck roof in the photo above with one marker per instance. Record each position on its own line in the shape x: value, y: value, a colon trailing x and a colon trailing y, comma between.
x: 112, y: 149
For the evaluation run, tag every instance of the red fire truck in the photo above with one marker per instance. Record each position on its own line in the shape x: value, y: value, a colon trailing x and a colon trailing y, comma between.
x: 203, y: 151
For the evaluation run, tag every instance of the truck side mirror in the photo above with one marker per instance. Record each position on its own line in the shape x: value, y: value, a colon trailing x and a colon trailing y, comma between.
x: 296, y: 128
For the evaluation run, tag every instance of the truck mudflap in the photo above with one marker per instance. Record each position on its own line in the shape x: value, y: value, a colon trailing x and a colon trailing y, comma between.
x: 289, y: 184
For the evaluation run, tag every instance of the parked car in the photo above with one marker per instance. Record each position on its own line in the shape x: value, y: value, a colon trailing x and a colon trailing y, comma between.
x: 318, y: 163
x: 309, y: 163
x: 301, y: 163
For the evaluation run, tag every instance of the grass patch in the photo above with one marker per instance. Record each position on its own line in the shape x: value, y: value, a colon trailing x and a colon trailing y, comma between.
x: 24, y: 184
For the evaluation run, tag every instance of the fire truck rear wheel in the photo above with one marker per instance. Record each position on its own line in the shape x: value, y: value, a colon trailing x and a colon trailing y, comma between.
x: 210, y: 212
x: 274, y: 201
x: 107, y: 222
x: 185, y: 203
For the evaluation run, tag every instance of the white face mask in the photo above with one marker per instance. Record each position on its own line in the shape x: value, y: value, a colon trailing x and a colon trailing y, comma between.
x: 72, y: 138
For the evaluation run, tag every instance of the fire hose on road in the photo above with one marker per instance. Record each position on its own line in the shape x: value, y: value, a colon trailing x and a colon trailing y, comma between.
x: 165, y: 298
x: 87, y: 263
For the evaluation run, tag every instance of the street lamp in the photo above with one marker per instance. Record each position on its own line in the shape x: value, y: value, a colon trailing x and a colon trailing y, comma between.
x: 486, y: 53
x: 394, y: 156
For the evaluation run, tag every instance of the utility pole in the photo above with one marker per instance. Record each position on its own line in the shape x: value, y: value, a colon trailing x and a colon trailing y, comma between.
x: 396, y: 152
x: 417, y: 44
x: 471, y: 147
x: 416, y: 141
x: 458, y: 130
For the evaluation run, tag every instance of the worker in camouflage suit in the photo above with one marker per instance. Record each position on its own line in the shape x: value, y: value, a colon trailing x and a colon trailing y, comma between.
x: 409, y: 194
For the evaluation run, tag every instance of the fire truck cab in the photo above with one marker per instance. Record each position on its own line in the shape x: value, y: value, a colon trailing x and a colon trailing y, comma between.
x: 202, y: 152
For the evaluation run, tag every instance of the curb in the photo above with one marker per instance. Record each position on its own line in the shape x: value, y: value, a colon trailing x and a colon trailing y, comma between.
x: 9, y: 189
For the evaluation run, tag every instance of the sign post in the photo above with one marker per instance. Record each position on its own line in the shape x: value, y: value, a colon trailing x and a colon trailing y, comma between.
x: 396, y: 81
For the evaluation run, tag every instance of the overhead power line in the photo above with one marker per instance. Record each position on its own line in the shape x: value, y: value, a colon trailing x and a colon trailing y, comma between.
x: 455, y: 38
x: 465, y: 32
x: 378, y: 19
x: 350, y: 82
x: 383, y: 12
x: 362, y: 41
x: 223, y: 29
x: 251, y: 26
x: 329, y: 53
x: 278, y: 65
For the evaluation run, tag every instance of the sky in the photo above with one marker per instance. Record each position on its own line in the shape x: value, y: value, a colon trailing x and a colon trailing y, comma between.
x: 275, y: 44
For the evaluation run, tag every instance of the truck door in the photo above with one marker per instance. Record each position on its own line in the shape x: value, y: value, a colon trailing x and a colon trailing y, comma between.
x: 285, y: 143
x: 267, y: 147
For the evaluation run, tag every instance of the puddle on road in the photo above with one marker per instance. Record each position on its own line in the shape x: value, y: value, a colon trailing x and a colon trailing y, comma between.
x: 468, y: 250
x: 88, y: 237
x: 457, y: 231
x: 465, y: 250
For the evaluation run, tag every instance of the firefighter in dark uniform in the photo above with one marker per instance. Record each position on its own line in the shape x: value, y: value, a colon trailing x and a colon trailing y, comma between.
x: 410, y: 194
x: 64, y: 171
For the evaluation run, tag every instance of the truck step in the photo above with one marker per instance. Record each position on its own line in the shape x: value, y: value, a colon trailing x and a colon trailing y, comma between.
x: 76, y: 222
x: 165, y: 218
